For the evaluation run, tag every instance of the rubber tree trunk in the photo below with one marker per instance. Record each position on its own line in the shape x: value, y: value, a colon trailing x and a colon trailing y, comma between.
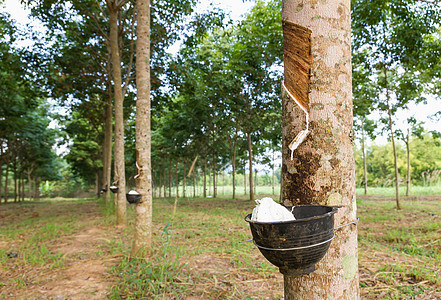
x: 205, y: 177
x: 408, y: 162
x: 177, y: 179
x: 119, y: 116
x: 363, y: 149
x: 1, y: 169
x: 169, y: 182
x: 15, y: 179
x: 143, y: 220
x: 214, y: 176
x: 184, y: 182
x: 107, y: 149
x: 273, y: 177
x: 250, y: 161
x: 322, y: 170
x: 233, y: 164
x: 255, y: 182
x: 392, y: 137
x: 6, y: 182
x: 165, y: 180
x: 244, y: 180
x: 194, y: 184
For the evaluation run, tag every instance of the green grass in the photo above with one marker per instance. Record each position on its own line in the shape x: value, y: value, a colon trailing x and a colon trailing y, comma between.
x: 402, y: 248
x: 390, y: 191
x: 32, y: 236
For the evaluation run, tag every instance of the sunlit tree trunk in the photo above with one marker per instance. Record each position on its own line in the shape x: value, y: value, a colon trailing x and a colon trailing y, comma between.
x: 143, y: 222
x: 392, y: 137
x: 408, y: 162
x: 184, y: 182
x: 233, y: 164
x: 205, y: 177
x: 194, y: 184
x: 363, y: 149
x: 214, y: 176
x: 244, y: 179
x: 119, y: 115
x: 165, y: 180
x: 177, y: 179
x: 107, y: 149
x: 14, y: 165
x: 6, y: 182
x: 322, y: 170
x: 250, y: 161
x: 273, y: 179
x: 169, y: 181
x: 255, y: 182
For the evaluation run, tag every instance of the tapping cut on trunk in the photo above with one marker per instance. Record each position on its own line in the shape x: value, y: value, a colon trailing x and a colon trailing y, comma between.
x: 298, y: 62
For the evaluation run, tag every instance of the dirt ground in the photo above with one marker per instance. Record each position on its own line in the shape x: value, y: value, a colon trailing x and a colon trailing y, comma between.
x: 88, y: 257
x: 84, y: 274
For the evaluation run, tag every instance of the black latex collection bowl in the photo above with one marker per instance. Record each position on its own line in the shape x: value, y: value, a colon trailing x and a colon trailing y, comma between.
x: 133, y: 198
x: 113, y: 189
x: 296, y: 246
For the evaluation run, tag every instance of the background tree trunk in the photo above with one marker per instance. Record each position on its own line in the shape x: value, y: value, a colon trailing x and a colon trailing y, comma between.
x: 244, y: 180
x: 177, y: 179
x: 273, y: 179
x: 119, y: 115
x: 255, y: 182
x: 107, y: 149
x: 205, y: 177
x: 14, y: 165
x: 233, y: 164
x: 143, y: 221
x: 214, y: 176
x: 169, y: 182
x: 363, y: 149
x: 250, y: 161
x: 322, y: 171
x: 184, y: 182
x: 408, y: 162
x: 6, y: 182
x: 392, y: 137
x: 165, y: 180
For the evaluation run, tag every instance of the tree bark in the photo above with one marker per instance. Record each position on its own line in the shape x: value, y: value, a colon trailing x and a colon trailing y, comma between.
x: 322, y: 170
x: 274, y: 173
x: 6, y: 182
x: 119, y: 115
x: 250, y: 161
x: 194, y: 184
x: 205, y: 177
x: 408, y: 162
x: 255, y: 182
x: 244, y: 179
x: 143, y: 223
x: 1, y: 169
x: 233, y: 164
x: 15, y: 179
x: 164, y: 181
x: 184, y: 181
x: 177, y: 180
x: 107, y: 149
x: 169, y: 182
x: 363, y: 149
x: 214, y: 176
x: 389, y: 113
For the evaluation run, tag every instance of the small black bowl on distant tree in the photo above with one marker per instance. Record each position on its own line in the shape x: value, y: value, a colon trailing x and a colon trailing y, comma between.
x: 113, y: 189
x: 133, y: 197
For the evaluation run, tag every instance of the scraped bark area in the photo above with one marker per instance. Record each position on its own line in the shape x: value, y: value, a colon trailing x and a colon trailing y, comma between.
x: 322, y: 169
x: 298, y: 61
